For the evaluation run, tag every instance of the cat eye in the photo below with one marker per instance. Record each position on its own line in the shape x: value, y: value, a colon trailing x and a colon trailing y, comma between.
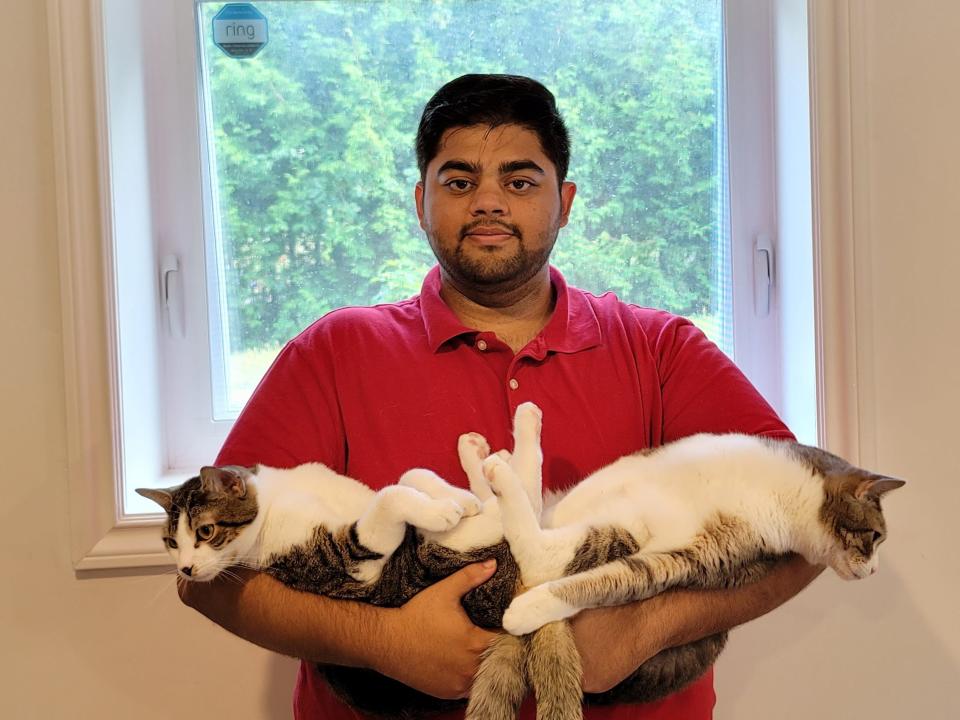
x: 171, y: 543
x: 205, y: 532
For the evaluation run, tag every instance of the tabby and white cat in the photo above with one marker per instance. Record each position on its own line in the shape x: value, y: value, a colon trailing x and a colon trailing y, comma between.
x: 321, y: 532
x: 707, y: 511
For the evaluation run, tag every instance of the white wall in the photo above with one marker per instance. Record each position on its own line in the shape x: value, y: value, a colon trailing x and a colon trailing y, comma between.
x: 97, y: 647
x: 885, y: 648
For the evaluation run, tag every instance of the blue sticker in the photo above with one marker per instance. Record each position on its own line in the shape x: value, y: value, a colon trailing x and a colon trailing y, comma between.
x: 240, y: 30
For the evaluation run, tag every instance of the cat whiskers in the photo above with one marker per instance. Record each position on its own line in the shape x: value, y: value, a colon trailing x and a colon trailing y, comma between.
x: 165, y: 586
x: 232, y: 577
x: 226, y: 571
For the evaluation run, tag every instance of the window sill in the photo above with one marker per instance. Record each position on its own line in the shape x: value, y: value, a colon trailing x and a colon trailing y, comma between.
x: 127, y: 546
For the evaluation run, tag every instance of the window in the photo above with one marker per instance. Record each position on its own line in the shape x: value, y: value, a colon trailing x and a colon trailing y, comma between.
x: 310, y: 160
x: 246, y: 197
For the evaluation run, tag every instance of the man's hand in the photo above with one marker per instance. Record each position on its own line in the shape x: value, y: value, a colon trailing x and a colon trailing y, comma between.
x: 615, y: 641
x: 430, y: 643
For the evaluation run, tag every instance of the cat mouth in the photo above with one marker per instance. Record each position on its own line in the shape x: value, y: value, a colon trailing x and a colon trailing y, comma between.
x: 197, y: 576
x: 845, y: 571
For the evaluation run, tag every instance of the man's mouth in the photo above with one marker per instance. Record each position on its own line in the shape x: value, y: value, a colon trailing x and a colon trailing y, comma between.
x: 489, y: 235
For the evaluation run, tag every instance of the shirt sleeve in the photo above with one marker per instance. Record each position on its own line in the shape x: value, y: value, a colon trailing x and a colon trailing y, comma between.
x: 294, y: 415
x: 701, y: 388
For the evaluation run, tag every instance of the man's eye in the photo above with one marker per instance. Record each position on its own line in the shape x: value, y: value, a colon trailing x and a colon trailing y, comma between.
x: 458, y: 184
x: 519, y: 184
x: 205, y: 532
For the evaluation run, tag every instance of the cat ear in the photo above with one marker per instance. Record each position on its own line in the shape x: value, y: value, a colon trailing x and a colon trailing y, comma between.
x: 224, y: 480
x: 163, y: 498
x: 877, y: 486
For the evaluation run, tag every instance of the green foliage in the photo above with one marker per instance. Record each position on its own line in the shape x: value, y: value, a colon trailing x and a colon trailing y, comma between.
x: 313, y: 140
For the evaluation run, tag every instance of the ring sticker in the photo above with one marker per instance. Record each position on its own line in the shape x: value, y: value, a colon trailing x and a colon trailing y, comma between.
x: 240, y: 30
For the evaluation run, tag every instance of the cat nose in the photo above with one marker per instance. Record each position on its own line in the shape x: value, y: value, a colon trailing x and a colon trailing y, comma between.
x: 188, y: 571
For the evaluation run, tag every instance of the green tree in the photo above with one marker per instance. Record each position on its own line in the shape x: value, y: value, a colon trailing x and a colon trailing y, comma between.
x: 314, y: 162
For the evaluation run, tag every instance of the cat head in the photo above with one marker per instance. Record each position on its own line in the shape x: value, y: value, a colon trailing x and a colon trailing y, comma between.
x: 207, y: 520
x: 851, y: 512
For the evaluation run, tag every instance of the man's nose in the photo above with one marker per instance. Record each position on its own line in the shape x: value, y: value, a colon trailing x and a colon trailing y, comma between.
x: 489, y: 199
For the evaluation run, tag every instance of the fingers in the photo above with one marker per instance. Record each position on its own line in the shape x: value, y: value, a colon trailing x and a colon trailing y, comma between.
x: 467, y: 578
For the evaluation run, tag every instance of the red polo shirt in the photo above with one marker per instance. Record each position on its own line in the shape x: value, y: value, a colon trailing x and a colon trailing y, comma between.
x: 372, y: 392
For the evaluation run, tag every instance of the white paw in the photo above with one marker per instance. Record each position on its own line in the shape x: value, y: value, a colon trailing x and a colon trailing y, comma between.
x: 473, y: 445
x: 529, y: 416
x: 534, y: 609
x: 498, y: 474
x: 439, y: 515
x: 433, y: 486
x: 468, y: 502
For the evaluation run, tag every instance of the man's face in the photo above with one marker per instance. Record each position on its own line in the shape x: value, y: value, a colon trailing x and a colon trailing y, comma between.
x: 491, y: 206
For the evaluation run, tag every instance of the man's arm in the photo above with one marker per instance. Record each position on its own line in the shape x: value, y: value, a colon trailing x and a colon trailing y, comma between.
x: 429, y: 643
x: 675, y: 618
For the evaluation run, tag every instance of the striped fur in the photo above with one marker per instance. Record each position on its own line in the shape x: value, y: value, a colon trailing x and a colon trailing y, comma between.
x: 683, y: 515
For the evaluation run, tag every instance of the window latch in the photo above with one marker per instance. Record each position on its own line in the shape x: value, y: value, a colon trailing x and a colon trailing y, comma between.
x: 762, y: 275
x: 171, y: 289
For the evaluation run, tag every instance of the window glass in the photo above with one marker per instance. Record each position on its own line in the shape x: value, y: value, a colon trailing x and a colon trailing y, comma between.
x: 311, y: 162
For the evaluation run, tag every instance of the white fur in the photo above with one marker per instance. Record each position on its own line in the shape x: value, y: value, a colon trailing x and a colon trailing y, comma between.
x: 293, y: 502
x: 672, y: 493
x: 664, y: 499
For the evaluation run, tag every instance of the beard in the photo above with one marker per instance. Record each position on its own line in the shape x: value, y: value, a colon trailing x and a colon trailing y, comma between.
x: 493, y: 268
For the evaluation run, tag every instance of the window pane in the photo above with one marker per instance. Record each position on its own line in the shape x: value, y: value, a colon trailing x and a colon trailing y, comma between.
x: 310, y: 147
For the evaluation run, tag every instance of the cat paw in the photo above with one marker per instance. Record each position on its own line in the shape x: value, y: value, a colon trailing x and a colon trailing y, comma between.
x: 473, y: 446
x: 503, y: 480
x: 534, y: 609
x: 468, y: 502
x: 439, y: 516
x: 435, y: 487
x: 528, y: 417
x: 473, y: 449
x: 498, y: 475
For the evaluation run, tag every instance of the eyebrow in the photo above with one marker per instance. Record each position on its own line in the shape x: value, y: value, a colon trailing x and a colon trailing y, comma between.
x: 505, y: 168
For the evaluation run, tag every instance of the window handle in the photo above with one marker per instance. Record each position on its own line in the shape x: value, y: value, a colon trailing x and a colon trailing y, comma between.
x: 171, y: 289
x: 762, y: 275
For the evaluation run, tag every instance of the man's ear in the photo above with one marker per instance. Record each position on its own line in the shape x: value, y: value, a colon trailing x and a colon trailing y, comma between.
x: 568, y: 191
x: 418, y: 192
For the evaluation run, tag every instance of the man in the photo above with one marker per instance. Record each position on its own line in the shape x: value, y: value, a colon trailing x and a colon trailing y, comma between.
x: 372, y: 392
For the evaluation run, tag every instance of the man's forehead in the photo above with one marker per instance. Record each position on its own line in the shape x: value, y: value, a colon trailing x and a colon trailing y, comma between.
x: 500, y: 142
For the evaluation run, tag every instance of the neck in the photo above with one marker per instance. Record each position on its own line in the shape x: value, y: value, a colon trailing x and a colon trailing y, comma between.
x: 250, y: 544
x: 514, y: 314
x: 809, y: 536
x: 287, y: 514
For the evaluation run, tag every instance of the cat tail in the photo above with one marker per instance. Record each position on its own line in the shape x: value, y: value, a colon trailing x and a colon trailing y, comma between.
x: 501, y: 681
x: 553, y: 666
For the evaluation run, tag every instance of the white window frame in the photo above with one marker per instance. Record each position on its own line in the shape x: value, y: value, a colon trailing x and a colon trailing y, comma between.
x: 102, y: 537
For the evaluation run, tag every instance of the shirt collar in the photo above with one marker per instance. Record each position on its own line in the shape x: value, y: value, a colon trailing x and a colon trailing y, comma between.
x: 439, y: 320
x: 572, y: 327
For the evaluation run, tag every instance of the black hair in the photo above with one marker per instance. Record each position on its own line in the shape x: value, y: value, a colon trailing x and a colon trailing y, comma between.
x: 494, y: 100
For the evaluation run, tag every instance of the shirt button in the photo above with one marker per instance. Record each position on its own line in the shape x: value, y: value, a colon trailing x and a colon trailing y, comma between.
x: 513, y: 384
x: 481, y: 345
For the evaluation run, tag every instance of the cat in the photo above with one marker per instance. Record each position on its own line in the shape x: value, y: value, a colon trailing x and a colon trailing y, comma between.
x: 706, y: 511
x: 368, y: 546
x: 321, y: 532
